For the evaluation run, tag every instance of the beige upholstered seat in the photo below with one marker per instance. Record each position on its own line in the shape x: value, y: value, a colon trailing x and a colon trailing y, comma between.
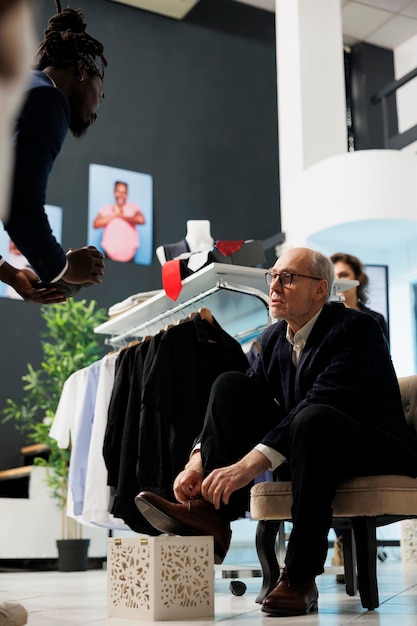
x: 365, y: 495
x: 360, y: 505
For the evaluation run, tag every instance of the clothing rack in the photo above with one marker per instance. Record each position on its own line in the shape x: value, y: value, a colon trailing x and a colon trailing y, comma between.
x: 141, y: 329
x: 236, y: 296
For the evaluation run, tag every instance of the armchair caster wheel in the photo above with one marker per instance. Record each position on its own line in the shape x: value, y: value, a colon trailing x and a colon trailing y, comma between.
x: 237, y: 587
x: 381, y: 554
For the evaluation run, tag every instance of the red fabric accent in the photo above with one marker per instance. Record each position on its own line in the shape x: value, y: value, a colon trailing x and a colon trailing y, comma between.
x: 171, y: 278
x: 229, y: 247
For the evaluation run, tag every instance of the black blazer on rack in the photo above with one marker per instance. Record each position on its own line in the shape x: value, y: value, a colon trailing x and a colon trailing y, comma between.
x: 189, y: 358
x: 120, y: 442
x: 116, y: 414
x: 127, y: 486
x: 158, y: 406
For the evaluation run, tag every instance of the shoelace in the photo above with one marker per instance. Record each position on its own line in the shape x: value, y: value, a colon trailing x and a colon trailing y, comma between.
x: 284, y: 577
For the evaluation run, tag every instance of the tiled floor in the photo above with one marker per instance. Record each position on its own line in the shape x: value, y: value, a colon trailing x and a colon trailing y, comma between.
x: 70, y: 599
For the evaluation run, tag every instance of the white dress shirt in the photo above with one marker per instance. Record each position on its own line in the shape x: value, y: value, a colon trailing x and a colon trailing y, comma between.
x: 298, y: 341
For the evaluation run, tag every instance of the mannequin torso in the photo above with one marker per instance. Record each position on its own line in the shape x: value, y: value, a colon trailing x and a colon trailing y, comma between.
x: 197, y: 239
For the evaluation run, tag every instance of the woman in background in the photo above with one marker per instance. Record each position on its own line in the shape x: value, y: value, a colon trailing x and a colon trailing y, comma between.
x: 349, y: 267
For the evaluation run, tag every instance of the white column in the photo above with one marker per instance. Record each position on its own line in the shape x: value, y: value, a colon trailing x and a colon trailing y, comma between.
x: 362, y: 202
x: 311, y: 88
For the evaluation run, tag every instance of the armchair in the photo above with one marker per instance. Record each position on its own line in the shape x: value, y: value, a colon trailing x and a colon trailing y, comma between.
x: 360, y: 506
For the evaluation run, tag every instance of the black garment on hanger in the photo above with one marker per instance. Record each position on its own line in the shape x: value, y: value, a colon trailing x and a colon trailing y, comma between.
x: 128, y: 487
x: 189, y: 358
x: 116, y: 413
x: 125, y: 397
x: 157, y: 409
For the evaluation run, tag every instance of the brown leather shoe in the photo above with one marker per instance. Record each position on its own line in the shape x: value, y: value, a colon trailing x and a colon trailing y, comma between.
x: 288, y: 599
x: 196, y: 517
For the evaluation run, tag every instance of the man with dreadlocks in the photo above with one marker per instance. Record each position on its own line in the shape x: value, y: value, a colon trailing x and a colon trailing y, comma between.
x: 64, y: 93
x: 16, y: 51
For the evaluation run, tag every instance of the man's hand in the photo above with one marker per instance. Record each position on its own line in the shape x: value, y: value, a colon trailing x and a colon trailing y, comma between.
x: 85, y: 265
x: 25, y: 283
x: 219, y: 485
x: 187, y: 484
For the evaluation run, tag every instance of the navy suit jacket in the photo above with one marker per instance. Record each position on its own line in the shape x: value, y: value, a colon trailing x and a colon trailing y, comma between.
x: 345, y: 364
x: 40, y: 132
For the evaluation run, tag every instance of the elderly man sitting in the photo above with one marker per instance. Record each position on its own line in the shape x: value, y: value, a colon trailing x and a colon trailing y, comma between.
x: 320, y: 404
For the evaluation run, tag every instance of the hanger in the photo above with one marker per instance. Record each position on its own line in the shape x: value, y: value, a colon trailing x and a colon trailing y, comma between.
x: 132, y: 343
x: 205, y: 314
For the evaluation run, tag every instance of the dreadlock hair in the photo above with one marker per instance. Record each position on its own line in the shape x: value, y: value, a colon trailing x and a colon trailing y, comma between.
x: 65, y: 42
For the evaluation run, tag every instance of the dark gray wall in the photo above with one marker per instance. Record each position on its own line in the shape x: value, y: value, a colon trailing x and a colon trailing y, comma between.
x: 192, y: 103
x: 371, y: 69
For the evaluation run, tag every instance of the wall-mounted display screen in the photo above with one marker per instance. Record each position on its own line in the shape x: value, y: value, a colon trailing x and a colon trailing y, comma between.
x: 120, y: 210
x: 378, y: 289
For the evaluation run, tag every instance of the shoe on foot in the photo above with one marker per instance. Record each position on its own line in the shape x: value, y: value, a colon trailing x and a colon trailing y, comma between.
x: 12, y: 614
x: 195, y: 517
x: 291, y: 598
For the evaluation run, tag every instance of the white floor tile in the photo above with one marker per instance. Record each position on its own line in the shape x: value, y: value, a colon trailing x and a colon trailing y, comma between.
x: 72, y: 599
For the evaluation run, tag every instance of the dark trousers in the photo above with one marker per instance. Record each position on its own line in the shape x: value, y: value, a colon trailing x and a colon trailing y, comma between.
x: 326, y: 446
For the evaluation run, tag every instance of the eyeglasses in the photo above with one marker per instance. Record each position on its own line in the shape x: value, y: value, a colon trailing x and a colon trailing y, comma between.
x: 285, y: 278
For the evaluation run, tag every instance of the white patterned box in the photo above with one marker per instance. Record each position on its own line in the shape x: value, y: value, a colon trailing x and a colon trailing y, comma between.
x: 160, y: 578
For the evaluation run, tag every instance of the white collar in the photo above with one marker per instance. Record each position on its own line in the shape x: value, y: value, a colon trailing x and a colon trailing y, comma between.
x: 52, y: 80
x: 299, y: 339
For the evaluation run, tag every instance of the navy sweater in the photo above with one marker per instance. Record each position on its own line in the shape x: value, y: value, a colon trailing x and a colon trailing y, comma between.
x: 40, y: 132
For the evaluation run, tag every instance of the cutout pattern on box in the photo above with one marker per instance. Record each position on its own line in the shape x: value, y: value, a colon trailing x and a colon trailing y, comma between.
x: 161, y: 578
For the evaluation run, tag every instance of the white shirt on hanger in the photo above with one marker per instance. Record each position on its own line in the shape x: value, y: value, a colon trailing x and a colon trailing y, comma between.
x: 97, y: 492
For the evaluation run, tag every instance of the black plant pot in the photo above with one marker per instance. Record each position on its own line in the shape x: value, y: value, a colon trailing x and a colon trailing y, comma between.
x: 72, y: 555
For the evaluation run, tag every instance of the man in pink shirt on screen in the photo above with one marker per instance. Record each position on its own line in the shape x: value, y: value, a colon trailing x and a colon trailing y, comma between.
x: 120, y: 239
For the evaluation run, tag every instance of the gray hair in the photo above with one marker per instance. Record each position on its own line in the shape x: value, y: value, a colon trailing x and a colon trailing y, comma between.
x: 322, y: 267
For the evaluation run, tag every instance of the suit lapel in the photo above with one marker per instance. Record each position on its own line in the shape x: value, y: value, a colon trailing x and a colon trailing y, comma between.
x: 287, y: 375
x: 322, y: 326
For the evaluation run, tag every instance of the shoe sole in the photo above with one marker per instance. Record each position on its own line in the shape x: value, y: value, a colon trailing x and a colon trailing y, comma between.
x: 166, y: 524
x: 291, y: 613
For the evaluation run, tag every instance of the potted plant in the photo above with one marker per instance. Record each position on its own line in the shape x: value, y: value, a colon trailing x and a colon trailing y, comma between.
x: 68, y: 344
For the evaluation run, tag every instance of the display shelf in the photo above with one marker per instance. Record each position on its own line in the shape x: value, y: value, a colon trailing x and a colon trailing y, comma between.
x: 237, y: 297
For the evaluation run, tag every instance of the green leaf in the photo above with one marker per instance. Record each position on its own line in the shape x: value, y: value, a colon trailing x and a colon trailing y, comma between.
x: 68, y: 344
